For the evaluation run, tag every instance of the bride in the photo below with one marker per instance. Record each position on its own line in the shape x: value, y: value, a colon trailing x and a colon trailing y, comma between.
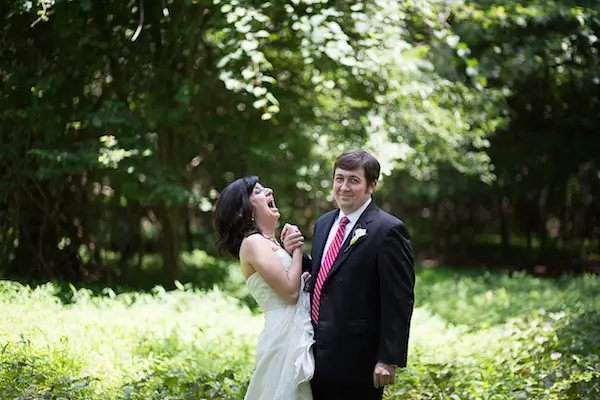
x: 245, y: 220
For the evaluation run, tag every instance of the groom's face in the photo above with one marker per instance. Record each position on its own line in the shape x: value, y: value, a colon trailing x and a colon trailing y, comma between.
x: 350, y: 189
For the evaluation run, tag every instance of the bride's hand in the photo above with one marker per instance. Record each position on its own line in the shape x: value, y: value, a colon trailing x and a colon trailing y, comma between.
x: 298, y: 250
x: 298, y: 247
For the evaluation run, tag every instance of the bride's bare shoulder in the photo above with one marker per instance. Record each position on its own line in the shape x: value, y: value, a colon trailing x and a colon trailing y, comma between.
x: 252, y: 243
x: 255, y: 245
x: 254, y: 239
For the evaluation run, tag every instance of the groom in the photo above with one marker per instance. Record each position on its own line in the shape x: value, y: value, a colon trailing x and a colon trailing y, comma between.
x: 362, y: 281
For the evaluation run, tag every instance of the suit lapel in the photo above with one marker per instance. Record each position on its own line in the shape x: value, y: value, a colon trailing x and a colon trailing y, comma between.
x: 365, y: 219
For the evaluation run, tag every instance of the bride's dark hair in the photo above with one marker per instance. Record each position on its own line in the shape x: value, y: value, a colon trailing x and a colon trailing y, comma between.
x: 232, y: 218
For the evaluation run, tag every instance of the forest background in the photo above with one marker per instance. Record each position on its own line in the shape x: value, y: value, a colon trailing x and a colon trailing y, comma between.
x: 120, y: 123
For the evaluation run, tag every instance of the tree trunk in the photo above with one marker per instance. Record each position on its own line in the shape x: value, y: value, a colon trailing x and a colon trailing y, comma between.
x: 170, y: 249
x: 188, y: 219
x: 504, y: 232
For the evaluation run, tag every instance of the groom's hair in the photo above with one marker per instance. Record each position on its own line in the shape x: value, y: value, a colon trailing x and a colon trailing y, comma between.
x: 354, y: 159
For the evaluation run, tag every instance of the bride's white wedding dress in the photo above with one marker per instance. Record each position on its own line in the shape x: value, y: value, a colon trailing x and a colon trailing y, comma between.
x: 284, y: 359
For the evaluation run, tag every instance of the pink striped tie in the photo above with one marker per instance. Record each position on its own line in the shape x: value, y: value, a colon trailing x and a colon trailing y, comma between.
x: 332, y: 253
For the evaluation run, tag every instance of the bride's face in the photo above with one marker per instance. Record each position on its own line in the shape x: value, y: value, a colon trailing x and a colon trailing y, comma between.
x: 263, y: 204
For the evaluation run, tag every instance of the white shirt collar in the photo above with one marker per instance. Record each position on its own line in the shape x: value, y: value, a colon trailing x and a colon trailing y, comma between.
x: 354, y: 216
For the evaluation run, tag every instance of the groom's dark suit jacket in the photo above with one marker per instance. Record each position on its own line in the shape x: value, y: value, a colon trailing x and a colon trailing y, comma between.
x: 367, y: 298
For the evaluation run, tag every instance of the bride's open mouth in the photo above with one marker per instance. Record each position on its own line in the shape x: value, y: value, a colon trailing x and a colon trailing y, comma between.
x: 271, y: 204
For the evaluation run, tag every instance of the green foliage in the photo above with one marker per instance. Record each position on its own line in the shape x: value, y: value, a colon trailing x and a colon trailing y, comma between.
x: 544, y: 54
x: 482, y: 300
x: 481, y: 335
x: 152, y: 123
x: 475, y: 336
x: 524, y: 359
x: 137, y: 346
x: 538, y: 63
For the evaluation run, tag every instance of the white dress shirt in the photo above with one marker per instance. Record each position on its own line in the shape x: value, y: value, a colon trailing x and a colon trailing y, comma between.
x: 352, y: 217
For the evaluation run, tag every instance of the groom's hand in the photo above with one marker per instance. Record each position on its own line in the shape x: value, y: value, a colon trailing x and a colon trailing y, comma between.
x: 383, y: 374
x: 306, y: 278
x: 287, y: 228
x: 284, y: 231
x: 291, y: 237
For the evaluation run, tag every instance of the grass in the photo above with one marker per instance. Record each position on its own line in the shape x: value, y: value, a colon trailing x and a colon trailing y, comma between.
x: 147, y: 346
x: 475, y: 335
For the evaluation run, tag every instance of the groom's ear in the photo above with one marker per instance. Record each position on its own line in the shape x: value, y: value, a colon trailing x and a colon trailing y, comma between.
x: 371, y: 187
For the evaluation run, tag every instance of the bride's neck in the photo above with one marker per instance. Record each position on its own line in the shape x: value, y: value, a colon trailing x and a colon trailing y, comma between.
x: 266, y: 229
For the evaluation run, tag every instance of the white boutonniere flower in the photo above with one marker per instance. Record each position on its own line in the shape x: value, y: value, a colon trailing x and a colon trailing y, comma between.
x: 358, y: 233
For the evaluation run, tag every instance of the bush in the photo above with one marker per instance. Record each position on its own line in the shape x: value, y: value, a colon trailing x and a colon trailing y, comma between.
x: 137, y: 346
x: 482, y: 335
x: 475, y: 336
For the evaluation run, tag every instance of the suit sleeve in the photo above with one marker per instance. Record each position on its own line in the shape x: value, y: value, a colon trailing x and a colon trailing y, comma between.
x: 306, y: 263
x: 395, y: 265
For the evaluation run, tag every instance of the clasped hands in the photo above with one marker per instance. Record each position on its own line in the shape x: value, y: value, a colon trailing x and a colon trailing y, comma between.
x: 291, y: 237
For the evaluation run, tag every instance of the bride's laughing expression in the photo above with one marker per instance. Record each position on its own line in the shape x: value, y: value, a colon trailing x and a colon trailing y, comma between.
x: 263, y: 203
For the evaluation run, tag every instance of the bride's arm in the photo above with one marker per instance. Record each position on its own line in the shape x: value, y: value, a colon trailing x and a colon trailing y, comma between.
x: 258, y: 253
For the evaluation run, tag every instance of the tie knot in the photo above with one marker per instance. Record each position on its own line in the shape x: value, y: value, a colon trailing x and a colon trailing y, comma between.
x: 344, y: 221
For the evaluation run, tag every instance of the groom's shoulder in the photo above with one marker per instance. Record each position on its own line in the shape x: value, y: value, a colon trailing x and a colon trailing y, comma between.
x: 326, y: 216
x: 390, y: 221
